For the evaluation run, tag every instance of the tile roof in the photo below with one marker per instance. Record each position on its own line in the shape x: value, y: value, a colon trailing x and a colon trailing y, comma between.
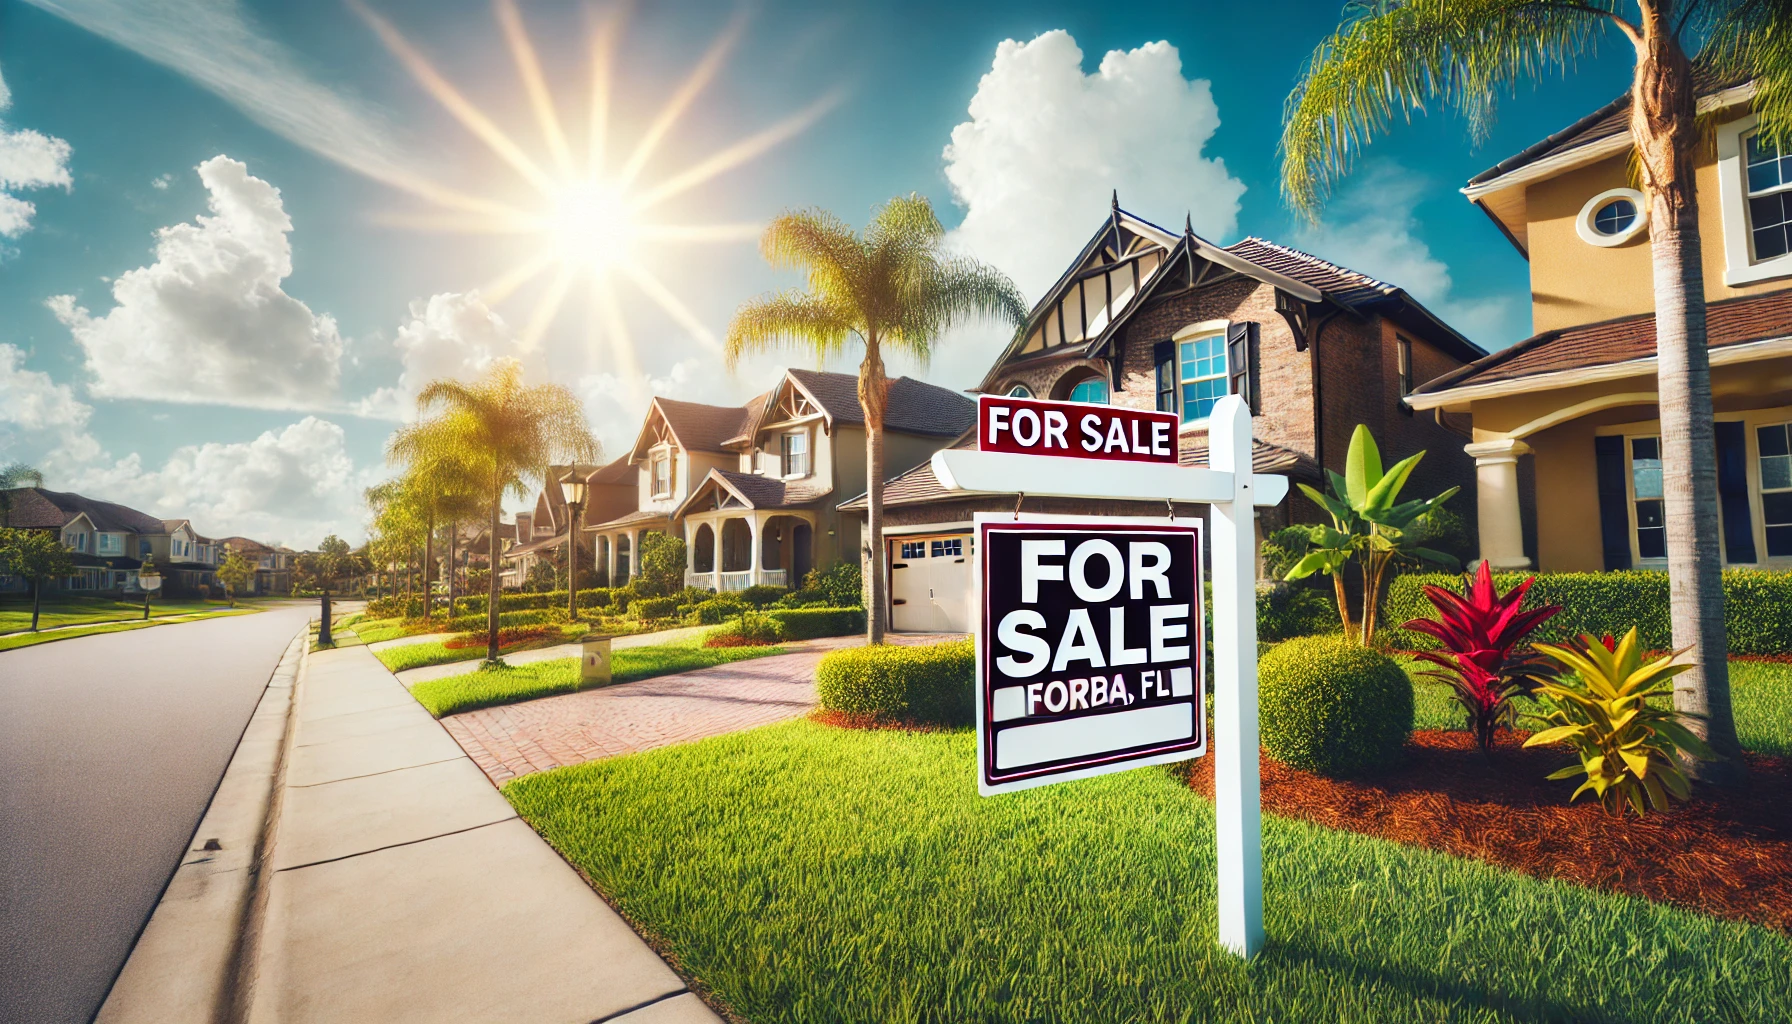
x: 1347, y: 286
x: 245, y: 546
x: 632, y: 519
x: 617, y: 472
x: 703, y: 428
x: 755, y: 409
x: 919, y: 486
x: 915, y: 407
x: 39, y: 508
x: 1728, y: 322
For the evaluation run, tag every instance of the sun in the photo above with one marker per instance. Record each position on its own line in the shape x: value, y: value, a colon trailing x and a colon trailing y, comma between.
x: 596, y: 217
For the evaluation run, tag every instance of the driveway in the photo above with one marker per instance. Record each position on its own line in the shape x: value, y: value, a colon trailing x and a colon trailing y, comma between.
x: 110, y: 749
x: 553, y: 732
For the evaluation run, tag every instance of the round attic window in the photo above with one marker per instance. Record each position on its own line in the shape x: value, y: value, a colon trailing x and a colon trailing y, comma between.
x: 1612, y: 217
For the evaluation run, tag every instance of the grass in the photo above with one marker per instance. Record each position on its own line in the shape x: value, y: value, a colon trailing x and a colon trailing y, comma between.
x: 397, y: 659
x: 12, y: 641
x: 806, y: 873
x: 488, y: 687
x: 69, y: 610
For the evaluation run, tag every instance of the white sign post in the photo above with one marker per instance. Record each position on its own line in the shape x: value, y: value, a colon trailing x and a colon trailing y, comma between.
x: 1086, y: 596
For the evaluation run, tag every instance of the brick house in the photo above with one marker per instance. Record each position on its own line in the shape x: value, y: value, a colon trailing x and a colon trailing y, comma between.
x: 1155, y: 319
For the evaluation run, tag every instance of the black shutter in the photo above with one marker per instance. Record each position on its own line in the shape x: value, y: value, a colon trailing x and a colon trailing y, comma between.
x: 1614, y: 498
x: 1163, y: 356
x: 1241, y: 362
x: 1732, y: 492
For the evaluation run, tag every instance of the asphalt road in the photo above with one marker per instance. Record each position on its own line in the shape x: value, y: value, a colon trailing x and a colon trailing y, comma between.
x: 110, y: 749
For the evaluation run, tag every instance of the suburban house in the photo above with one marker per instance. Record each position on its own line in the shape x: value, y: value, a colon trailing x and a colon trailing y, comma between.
x: 774, y: 514
x: 186, y: 559
x: 1157, y: 319
x: 1565, y: 423
x: 107, y: 541
x: 273, y: 564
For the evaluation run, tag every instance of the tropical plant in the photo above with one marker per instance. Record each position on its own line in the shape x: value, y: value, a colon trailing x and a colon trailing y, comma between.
x: 1600, y: 707
x: 841, y: 585
x: 236, y: 573
x: 1370, y: 524
x: 12, y: 477
x: 1484, y: 658
x: 442, y: 486
x: 36, y: 556
x: 893, y: 288
x: 508, y: 433
x: 1394, y: 57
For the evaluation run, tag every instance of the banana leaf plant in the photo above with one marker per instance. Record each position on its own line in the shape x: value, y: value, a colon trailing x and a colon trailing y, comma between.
x: 1484, y: 658
x: 1369, y: 524
x: 1600, y: 707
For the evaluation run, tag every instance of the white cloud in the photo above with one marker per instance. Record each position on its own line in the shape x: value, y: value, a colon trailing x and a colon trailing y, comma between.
x: 290, y: 486
x: 1372, y: 227
x: 208, y: 321
x: 615, y: 406
x: 1045, y: 147
x: 39, y: 419
x: 449, y: 336
x: 161, y: 182
x: 28, y: 159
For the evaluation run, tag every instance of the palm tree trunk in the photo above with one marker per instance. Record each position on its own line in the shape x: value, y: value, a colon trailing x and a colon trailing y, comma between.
x: 873, y: 397
x: 1343, y: 604
x: 429, y: 560
x: 1664, y: 125
x: 491, y: 554
x: 453, y: 528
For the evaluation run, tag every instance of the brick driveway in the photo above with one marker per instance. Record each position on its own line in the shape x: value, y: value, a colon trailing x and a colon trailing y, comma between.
x: 572, y: 728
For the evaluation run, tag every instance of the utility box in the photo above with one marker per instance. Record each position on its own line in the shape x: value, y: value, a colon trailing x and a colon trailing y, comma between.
x: 594, y: 666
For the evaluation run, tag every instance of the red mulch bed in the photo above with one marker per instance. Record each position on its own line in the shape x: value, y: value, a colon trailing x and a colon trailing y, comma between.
x: 736, y: 640
x: 1729, y: 855
x: 506, y: 637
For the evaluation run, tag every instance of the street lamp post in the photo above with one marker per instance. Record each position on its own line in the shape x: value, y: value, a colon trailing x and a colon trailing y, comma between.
x: 572, y: 488
x: 150, y: 584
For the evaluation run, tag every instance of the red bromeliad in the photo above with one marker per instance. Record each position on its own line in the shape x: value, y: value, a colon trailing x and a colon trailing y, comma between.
x: 1484, y: 657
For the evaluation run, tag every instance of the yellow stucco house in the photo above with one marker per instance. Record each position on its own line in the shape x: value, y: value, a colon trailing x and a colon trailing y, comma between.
x: 1564, y: 424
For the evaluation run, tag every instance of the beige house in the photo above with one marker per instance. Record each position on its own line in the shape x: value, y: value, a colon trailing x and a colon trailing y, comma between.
x: 1565, y: 427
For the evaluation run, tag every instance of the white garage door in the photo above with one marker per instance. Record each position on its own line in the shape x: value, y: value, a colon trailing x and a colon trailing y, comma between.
x: 930, y: 583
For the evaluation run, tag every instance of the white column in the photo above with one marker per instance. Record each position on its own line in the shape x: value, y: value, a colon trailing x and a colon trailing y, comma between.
x: 1238, y: 809
x: 754, y: 525
x: 1496, y: 502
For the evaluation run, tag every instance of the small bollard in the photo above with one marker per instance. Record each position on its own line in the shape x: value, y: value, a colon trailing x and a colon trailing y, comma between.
x: 594, y: 666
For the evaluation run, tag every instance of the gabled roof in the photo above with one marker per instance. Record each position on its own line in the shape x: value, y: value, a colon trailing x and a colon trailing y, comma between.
x: 753, y: 491
x: 621, y: 471
x: 632, y: 519
x: 1728, y: 322
x: 695, y: 426
x: 245, y: 546
x: 171, y: 525
x: 39, y: 508
x: 756, y: 408
x: 914, y: 407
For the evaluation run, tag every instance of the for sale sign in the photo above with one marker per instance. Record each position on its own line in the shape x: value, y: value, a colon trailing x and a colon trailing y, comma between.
x: 1027, y: 426
x: 1089, y: 652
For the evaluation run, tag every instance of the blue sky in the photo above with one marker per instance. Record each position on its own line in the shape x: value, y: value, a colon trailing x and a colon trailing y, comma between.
x: 249, y: 369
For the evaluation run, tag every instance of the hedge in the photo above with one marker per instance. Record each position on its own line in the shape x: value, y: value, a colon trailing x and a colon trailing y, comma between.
x: 714, y: 610
x: 1331, y: 706
x: 760, y: 594
x: 745, y: 628
x: 506, y: 620
x: 654, y: 608
x: 808, y: 623
x: 1758, y: 607
x: 933, y: 683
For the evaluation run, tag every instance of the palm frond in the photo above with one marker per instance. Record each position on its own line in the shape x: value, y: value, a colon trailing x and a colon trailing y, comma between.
x: 821, y: 245
x: 1391, y: 58
x: 819, y: 323
x: 1754, y: 38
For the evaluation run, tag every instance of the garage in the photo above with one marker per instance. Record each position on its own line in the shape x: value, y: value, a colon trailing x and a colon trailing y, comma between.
x: 930, y: 583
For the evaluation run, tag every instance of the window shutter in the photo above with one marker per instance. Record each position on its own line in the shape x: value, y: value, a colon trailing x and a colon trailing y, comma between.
x: 1614, y: 513
x: 1163, y: 356
x: 1241, y: 362
x: 1732, y: 492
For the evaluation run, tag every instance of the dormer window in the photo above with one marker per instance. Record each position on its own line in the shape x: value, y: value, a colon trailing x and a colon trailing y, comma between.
x: 662, y: 475
x: 795, y: 453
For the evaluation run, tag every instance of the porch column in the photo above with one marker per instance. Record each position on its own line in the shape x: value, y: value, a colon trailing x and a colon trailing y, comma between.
x: 1496, y: 501
x: 754, y: 525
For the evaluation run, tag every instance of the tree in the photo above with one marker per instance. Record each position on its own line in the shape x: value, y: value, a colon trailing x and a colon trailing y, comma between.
x: 12, y: 477
x: 37, y: 556
x: 236, y: 573
x: 662, y: 562
x: 325, y: 564
x: 895, y: 287
x: 508, y: 433
x: 440, y: 485
x: 1394, y: 57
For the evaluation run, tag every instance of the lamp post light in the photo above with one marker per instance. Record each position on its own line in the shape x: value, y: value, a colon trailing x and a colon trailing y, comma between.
x: 572, y: 488
x: 150, y: 584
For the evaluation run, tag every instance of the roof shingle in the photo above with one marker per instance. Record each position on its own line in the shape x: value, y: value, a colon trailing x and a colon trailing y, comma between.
x: 915, y: 407
x: 42, y: 509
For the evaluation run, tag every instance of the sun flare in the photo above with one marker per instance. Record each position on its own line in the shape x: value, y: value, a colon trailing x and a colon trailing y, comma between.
x: 595, y: 216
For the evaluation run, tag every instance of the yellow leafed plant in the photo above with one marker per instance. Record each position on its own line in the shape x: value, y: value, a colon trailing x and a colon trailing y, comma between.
x: 1599, y: 705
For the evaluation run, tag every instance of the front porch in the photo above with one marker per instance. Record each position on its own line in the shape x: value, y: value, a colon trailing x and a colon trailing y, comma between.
x: 732, y: 549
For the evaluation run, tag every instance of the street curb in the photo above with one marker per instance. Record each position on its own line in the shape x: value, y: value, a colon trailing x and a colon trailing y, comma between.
x: 188, y: 964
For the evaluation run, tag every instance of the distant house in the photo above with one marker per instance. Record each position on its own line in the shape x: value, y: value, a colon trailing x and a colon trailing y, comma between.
x: 186, y: 559
x: 541, y: 534
x: 106, y: 540
x: 273, y: 564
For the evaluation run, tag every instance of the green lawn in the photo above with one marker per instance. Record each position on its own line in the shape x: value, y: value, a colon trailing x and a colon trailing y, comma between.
x: 69, y: 610
x: 11, y: 641
x: 397, y: 659
x: 806, y: 873
x: 486, y: 687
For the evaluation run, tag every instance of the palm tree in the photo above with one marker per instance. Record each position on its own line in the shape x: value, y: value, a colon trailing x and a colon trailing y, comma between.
x: 441, y: 483
x: 507, y: 433
x: 1392, y: 57
x: 896, y: 287
x: 12, y: 477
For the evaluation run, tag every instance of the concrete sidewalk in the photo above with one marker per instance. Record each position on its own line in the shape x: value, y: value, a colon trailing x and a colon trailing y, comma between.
x: 406, y: 889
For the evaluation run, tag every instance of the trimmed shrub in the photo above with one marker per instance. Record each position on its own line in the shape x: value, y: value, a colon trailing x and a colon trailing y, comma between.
x: 597, y: 597
x: 934, y: 683
x: 654, y: 608
x: 808, y: 623
x: 1285, y: 611
x: 716, y: 610
x: 802, y: 599
x: 843, y: 584
x: 621, y: 599
x: 1282, y: 549
x: 761, y: 595
x: 1755, y: 603
x: 1332, y: 707
x: 745, y: 630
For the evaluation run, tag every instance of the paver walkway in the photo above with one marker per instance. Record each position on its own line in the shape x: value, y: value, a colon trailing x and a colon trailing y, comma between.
x: 413, y: 676
x: 552, y: 732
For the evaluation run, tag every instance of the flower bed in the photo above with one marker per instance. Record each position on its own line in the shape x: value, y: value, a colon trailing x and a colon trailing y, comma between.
x: 736, y: 640
x: 1729, y: 855
x: 506, y: 637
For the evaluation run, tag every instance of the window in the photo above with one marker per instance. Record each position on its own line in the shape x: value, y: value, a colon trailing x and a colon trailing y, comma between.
x: 1201, y: 364
x: 1776, y: 487
x: 796, y: 453
x: 1645, y: 486
x: 1094, y: 391
x: 1769, y: 199
x: 143, y: 549
x: 76, y: 541
x: 1403, y: 356
x: 953, y: 548
x: 914, y: 549
x: 1613, y: 217
x: 1020, y: 391
x: 111, y: 544
x: 662, y: 475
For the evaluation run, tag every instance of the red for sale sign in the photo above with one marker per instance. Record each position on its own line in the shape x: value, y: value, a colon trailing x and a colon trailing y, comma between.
x: 1028, y: 426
